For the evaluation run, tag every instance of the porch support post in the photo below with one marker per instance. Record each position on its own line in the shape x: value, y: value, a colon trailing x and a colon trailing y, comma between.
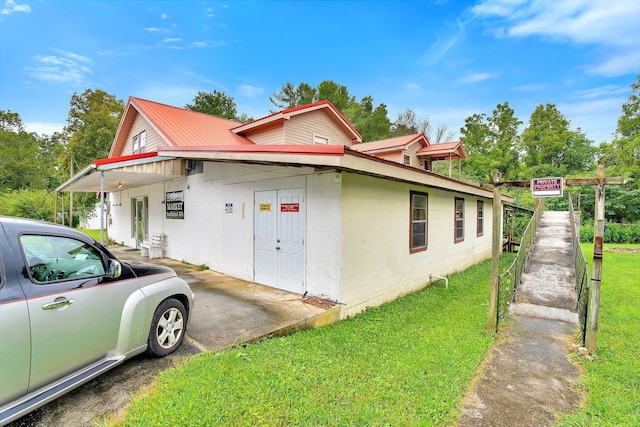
x: 102, y: 207
x: 496, y: 245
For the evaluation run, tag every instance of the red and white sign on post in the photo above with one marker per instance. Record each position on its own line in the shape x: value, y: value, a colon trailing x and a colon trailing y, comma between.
x: 547, y: 187
x: 290, y: 207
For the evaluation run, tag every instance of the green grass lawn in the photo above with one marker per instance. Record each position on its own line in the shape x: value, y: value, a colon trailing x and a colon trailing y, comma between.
x: 95, y: 234
x: 406, y: 363
x: 612, y: 379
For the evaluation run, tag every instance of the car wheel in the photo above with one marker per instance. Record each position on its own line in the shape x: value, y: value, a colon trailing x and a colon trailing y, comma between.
x: 167, y: 328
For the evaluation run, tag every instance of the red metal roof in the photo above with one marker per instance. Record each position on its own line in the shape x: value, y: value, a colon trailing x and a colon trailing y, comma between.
x: 177, y: 126
x: 188, y: 128
x: 391, y: 144
x: 443, y: 150
x: 318, y: 149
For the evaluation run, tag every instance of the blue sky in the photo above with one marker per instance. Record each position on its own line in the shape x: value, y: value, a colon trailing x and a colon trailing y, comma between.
x: 444, y: 59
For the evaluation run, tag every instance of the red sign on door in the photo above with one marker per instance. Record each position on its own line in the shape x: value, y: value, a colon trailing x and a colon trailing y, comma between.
x: 290, y: 207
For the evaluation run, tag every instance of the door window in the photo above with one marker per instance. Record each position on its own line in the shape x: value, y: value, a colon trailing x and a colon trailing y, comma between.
x: 56, y: 258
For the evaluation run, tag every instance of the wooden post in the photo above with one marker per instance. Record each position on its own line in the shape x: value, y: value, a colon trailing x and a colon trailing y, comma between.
x: 496, y: 246
x: 596, y: 274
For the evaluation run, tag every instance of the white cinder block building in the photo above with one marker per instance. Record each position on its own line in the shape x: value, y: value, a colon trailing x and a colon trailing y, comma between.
x: 286, y: 201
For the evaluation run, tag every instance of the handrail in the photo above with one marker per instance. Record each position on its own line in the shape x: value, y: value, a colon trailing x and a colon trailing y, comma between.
x: 509, y: 280
x: 582, y: 273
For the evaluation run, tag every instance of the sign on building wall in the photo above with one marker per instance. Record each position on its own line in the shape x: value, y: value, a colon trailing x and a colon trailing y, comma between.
x: 174, y: 205
x: 547, y: 187
x: 290, y: 207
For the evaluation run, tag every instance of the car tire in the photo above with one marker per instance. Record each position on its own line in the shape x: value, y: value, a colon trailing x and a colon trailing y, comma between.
x: 168, y: 328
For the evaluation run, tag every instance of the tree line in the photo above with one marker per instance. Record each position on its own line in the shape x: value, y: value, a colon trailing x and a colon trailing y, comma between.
x: 32, y: 165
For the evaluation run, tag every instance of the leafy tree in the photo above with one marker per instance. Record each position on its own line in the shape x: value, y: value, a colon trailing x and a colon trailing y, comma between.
x: 551, y: 148
x: 408, y: 123
x: 51, y: 150
x: 20, y: 166
x: 372, y: 122
x: 92, y: 124
x: 28, y: 203
x: 290, y: 96
x: 217, y: 104
x: 624, y: 151
x: 622, y: 157
x: 491, y: 143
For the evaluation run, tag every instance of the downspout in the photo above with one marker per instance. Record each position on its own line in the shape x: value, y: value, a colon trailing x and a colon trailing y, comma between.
x: 446, y: 281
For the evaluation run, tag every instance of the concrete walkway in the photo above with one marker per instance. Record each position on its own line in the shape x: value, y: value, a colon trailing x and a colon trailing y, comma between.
x: 527, y: 379
x: 230, y: 311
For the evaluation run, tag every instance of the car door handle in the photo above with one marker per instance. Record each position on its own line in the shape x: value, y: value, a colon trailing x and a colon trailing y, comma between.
x: 57, y: 304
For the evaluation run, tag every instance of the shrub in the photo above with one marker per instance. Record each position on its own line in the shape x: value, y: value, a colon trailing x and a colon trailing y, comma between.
x: 614, y: 233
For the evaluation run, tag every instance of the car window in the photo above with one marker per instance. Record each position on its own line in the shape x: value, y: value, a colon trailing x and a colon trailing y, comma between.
x: 56, y: 258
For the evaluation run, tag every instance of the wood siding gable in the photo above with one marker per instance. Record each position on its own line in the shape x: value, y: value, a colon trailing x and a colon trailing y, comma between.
x: 153, y: 138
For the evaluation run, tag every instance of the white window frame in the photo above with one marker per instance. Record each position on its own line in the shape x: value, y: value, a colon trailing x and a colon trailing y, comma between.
x: 406, y: 159
x: 458, y: 220
x: 480, y: 218
x: 418, y: 216
x: 139, y: 142
x: 320, y: 140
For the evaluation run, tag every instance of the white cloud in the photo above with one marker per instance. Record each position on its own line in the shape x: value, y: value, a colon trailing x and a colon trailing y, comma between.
x: 44, y: 128
x: 250, y: 91
x: 597, y: 118
x: 65, y: 67
x: 10, y: 7
x: 624, y: 62
x: 612, y: 25
x: 601, y: 91
x: 475, y: 77
x: 442, y: 45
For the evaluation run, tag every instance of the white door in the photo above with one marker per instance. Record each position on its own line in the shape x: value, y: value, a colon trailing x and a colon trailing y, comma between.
x: 265, y: 238
x: 279, y: 239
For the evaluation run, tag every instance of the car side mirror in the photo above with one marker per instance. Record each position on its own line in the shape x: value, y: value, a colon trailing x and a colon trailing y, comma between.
x: 115, y: 269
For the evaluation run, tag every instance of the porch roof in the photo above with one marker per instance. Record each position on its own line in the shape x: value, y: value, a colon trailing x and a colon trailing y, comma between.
x: 125, y: 172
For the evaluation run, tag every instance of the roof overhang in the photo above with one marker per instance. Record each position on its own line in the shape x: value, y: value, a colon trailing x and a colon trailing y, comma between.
x: 116, y: 174
x: 335, y: 157
x: 168, y: 163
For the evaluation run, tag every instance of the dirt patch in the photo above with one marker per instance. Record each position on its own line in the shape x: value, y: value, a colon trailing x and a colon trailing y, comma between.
x: 623, y: 250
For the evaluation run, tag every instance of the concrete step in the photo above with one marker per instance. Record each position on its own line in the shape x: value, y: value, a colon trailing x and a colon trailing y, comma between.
x: 543, y: 312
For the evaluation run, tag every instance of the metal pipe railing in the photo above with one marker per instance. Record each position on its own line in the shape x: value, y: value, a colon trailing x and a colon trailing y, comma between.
x: 582, y: 273
x: 509, y: 280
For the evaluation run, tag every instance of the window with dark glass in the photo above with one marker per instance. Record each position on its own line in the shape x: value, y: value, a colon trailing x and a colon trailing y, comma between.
x: 419, y: 216
x: 459, y: 234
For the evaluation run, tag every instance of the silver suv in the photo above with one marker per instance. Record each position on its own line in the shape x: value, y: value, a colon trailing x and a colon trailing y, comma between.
x: 70, y: 311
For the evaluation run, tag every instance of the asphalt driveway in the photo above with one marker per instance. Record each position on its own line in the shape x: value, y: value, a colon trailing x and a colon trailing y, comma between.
x: 227, y: 312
